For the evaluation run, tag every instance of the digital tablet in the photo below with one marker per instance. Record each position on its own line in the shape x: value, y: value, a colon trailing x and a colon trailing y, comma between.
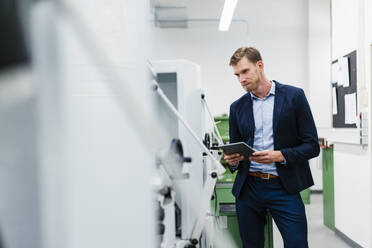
x: 240, y: 147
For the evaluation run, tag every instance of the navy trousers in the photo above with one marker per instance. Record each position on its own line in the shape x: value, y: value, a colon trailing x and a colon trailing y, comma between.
x: 288, y: 211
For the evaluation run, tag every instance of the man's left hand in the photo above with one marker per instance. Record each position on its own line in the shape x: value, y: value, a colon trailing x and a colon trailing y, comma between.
x: 267, y: 157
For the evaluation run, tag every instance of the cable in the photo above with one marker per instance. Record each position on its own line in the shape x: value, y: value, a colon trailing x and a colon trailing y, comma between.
x: 215, y: 202
x: 219, y: 138
x: 218, y: 166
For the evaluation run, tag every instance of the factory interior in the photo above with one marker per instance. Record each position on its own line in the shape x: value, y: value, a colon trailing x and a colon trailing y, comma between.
x: 112, y: 114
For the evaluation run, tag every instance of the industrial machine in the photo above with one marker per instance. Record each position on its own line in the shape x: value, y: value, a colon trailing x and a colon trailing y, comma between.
x: 100, y: 129
x: 178, y: 85
x: 123, y: 157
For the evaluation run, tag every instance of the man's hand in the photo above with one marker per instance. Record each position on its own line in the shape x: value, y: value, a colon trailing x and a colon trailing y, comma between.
x: 232, y: 159
x: 267, y: 157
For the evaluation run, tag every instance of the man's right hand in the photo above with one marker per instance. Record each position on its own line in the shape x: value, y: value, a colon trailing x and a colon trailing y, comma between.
x: 232, y: 159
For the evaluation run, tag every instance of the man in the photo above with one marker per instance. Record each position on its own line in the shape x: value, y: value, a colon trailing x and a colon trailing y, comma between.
x: 276, y: 120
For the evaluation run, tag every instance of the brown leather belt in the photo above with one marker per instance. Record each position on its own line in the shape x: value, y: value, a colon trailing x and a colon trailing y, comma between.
x: 262, y: 175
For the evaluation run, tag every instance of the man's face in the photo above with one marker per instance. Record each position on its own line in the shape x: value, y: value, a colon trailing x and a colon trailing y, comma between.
x: 248, y: 73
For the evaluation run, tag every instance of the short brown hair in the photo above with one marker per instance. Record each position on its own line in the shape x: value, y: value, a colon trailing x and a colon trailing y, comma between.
x: 251, y: 53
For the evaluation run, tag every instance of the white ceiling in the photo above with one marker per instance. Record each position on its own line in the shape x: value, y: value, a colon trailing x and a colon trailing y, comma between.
x: 260, y: 13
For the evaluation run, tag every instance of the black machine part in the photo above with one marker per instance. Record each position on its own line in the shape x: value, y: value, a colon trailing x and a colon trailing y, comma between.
x: 207, y: 141
x: 178, y: 220
x: 175, y: 159
x: 177, y: 150
x: 13, y: 49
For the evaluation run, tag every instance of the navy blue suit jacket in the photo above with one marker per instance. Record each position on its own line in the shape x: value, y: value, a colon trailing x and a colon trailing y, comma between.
x: 294, y: 133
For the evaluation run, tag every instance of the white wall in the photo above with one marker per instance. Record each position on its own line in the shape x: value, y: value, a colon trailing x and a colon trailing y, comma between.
x: 319, y: 74
x: 352, y: 162
x: 278, y: 30
x: 352, y: 192
x: 368, y: 77
x: 319, y: 65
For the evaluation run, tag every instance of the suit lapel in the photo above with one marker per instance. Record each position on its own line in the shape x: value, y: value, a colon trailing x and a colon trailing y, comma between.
x: 251, y: 116
x: 278, y: 104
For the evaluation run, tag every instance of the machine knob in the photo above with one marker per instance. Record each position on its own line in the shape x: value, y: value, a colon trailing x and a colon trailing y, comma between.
x: 187, y: 159
x: 206, y: 140
x: 161, y: 214
x: 161, y: 228
x: 194, y: 241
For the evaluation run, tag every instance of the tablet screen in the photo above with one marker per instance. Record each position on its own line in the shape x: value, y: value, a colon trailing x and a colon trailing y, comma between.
x: 240, y: 147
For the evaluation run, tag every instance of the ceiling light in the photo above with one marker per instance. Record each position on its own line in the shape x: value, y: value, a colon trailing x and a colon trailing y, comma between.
x: 227, y: 14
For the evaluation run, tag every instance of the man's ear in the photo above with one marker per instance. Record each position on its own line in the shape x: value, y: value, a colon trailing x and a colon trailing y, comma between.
x: 260, y: 65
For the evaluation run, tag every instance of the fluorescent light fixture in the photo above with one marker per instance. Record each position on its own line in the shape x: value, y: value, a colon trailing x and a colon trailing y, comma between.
x: 227, y: 14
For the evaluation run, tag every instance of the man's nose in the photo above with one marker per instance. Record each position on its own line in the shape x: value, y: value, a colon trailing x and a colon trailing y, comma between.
x: 241, y: 79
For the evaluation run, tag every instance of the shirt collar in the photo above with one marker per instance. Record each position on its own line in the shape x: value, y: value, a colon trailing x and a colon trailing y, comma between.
x: 271, y: 92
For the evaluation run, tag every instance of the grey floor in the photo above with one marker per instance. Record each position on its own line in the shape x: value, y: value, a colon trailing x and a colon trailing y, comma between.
x: 319, y: 235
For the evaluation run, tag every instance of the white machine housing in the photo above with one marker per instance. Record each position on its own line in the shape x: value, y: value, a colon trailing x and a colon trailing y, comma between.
x: 180, y: 81
x: 96, y: 168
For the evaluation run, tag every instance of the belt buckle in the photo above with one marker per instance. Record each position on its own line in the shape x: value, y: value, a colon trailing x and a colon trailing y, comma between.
x: 266, y: 178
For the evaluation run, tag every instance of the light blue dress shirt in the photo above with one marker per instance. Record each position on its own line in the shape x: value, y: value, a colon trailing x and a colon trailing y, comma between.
x: 263, y: 110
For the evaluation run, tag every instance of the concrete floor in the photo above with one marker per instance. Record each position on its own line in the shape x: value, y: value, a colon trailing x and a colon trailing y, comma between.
x: 319, y: 235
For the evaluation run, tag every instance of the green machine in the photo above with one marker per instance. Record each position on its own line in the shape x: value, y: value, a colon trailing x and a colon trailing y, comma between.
x: 328, y: 188
x: 305, y: 195
x: 223, y: 203
x: 223, y: 207
x: 222, y: 123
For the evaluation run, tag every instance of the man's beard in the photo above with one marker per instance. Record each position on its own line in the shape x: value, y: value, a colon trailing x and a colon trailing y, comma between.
x: 252, y: 86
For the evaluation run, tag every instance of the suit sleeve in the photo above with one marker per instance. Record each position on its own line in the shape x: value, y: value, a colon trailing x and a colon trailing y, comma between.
x: 306, y: 130
x: 234, y: 134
